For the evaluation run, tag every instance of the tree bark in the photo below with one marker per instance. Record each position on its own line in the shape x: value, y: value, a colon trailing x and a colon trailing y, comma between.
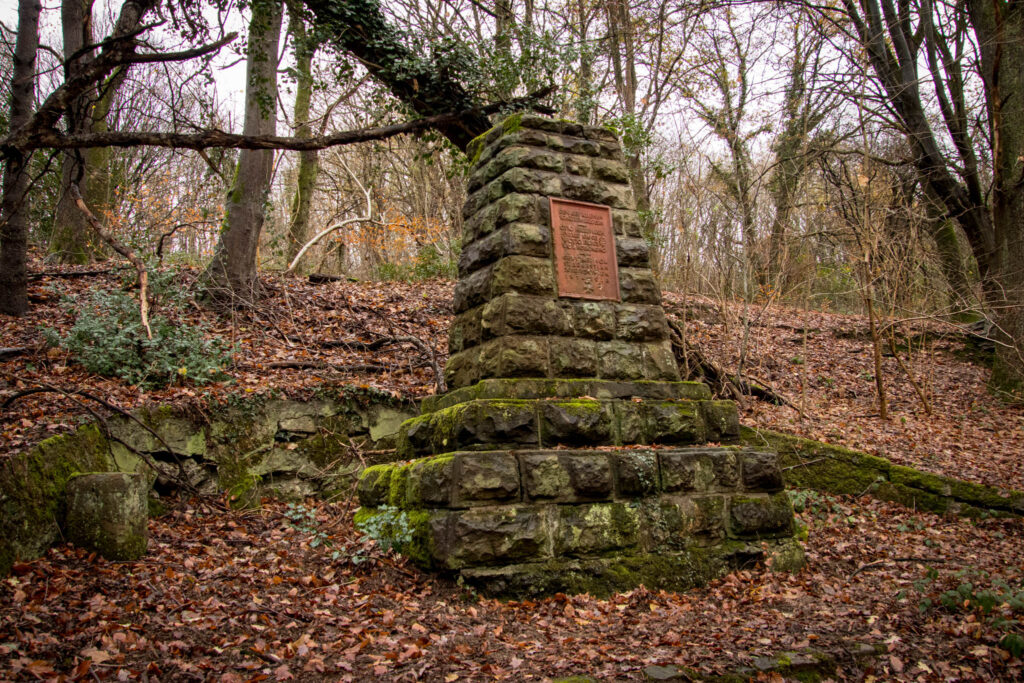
x: 305, y: 181
x: 15, y: 203
x: 232, y: 273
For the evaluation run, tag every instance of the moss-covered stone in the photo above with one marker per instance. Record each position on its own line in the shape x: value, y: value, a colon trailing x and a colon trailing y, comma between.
x: 825, y: 467
x: 108, y: 513
x: 32, y: 487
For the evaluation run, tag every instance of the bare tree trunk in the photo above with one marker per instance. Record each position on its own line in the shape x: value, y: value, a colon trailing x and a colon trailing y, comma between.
x: 305, y: 181
x: 232, y: 272
x: 14, y: 207
x: 71, y: 239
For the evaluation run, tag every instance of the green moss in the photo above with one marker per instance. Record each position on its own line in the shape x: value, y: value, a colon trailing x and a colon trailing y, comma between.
x: 32, y: 485
x: 399, y: 483
x: 421, y: 549
x: 512, y: 123
x: 824, y: 467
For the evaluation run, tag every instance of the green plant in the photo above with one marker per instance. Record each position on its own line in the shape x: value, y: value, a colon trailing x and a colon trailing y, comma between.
x: 108, y: 338
x: 303, y: 518
x: 1000, y: 605
x: 389, y: 527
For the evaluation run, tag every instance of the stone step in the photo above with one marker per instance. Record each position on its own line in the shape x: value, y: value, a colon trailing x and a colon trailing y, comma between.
x: 533, y: 521
x: 490, y: 424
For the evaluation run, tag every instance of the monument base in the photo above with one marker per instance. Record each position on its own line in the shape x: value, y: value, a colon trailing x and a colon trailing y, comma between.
x: 532, y: 522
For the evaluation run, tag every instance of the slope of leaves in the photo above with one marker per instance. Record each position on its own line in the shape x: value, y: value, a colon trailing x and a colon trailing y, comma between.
x: 247, y: 596
x: 822, y: 362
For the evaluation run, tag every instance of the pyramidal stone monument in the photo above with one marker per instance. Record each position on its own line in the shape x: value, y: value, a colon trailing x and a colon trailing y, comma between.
x: 567, y: 455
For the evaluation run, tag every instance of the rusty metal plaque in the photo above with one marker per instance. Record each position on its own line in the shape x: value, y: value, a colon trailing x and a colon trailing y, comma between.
x: 585, y: 258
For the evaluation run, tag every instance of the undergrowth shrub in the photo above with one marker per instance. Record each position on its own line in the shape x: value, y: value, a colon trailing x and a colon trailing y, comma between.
x: 108, y: 338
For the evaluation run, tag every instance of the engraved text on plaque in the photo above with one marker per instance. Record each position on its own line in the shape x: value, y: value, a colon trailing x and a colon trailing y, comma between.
x: 585, y: 258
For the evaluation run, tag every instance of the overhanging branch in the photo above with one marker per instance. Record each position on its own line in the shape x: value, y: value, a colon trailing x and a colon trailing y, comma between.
x: 53, y: 139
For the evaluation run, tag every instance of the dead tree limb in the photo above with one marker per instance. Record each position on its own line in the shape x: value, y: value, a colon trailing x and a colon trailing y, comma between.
x: 121, y: 249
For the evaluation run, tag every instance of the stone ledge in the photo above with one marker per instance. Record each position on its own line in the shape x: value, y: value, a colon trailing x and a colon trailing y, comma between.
x: 494, y: 424
x: 603, y: 576
x: 825, y: 467
x: 529, y: 388
x: 466, y: 479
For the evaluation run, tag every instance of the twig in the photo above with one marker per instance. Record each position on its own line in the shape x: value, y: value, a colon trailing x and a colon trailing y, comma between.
x: 803, y: 464
x: 324, y: 365
x: 121, y: 249
x: 877, y: 563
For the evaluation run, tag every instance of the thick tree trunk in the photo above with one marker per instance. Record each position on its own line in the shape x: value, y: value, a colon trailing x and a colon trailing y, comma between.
x: 14, y: 206
x: 305, y: 181
x: 71, y: 240
x: 231, y: 274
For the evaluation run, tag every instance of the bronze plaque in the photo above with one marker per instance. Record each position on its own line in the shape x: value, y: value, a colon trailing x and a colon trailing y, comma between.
x: 585, y: 258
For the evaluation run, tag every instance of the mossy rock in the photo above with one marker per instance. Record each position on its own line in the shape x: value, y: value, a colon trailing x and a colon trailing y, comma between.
x: 108, y: 513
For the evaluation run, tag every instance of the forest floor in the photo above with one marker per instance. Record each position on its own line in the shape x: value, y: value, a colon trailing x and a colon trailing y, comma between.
x: 227, y: 595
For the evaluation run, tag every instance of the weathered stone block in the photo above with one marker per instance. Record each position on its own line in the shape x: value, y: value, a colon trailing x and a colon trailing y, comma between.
x: 633, y: 252
x: 620, y: 360
x: 673, y: 422
x: 588, y: 190
x: 481, y: 252
x: 580, y: 166
x: 430, y: 482
x: 640, y: 323
x: 575, y: 422
x: 487, y: 478
x: 721, y: 420
x: 611, y: 170
x: 523, y: 357
x: 108, y: 513
x: 462, y: 369
x: 534, y: 315
x: 673, y: 523
x: 526, y: 181
x: 631, y: 418
x: 492, y: 535
x: 573, y: 357
x: 590, y: 475
x: 596, y: 528
x: 594, y: 320
x: 544, y: 477
x: 515, y: 208
x: 626, y: 223
x: 472, y: 291
x: 523, y: 274
x: 699, y: 470
x: 374, y: 485
x: 638, y: 286
x: 760, y: 515
x: 551, y: 125
x: 660, y: 362
x: 572, y: 145
x: 527, y: 239
x: 486, y: 422
x: 636, y: 474
x: 761, y: 471
x: 465, y: 331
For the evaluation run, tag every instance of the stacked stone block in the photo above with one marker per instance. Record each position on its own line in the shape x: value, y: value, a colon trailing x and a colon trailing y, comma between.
x: 513, y: 521
x: 509, y: 490
x: 510, y: 321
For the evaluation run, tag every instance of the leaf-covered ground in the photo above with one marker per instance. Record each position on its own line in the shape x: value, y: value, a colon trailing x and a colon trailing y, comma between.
x: 245, y: 596
x: 231, y: 596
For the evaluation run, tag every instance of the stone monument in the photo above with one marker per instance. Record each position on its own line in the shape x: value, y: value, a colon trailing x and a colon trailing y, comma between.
x: 567, y: 455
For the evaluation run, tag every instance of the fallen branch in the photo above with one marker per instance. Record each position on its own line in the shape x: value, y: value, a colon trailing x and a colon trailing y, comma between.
x: 67, y: 275
x: 324, y: 365
x: 337, y: 226
x: 14, y: 351
x: 878, y: 563
x: 121, y: 249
